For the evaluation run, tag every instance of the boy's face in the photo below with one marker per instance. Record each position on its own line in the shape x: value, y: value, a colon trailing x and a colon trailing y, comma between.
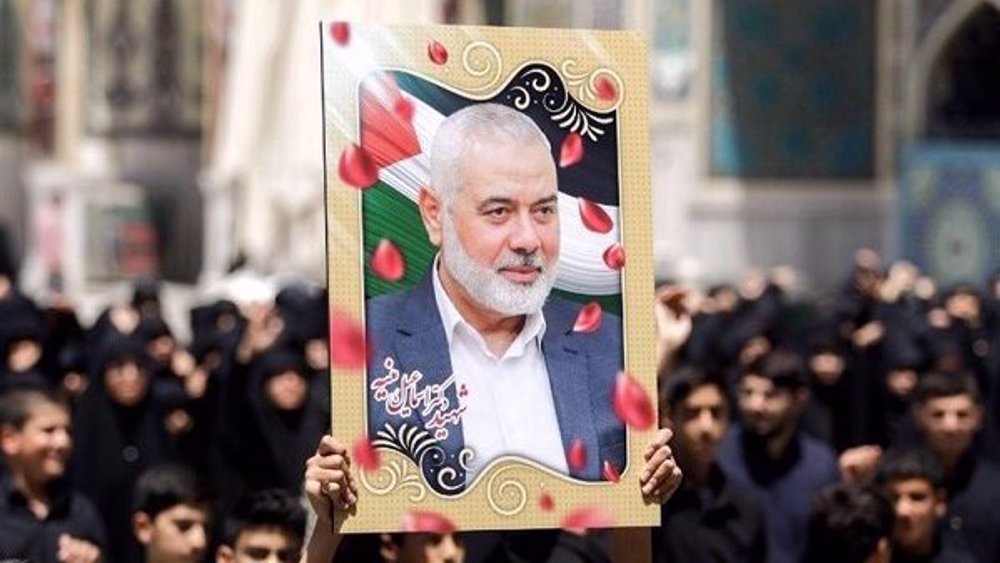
x: 949, y: 424
x: 767, y: 409
x: 700, y: 421
x: 918, y: 508
x: 176, y: 535
x: 41, y: 447
x: 257, y: 545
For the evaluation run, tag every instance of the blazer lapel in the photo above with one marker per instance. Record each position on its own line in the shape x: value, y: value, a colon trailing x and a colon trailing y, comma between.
x: 421, y: 345
x: 568, y: 376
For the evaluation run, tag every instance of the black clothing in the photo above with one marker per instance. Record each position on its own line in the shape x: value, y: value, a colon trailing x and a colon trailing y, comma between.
x: 719, y: 525
x: 536, y: 546
x: 973, y: 517
x: 942, y: 553
x: 114, y: 444
x: 24, y: 536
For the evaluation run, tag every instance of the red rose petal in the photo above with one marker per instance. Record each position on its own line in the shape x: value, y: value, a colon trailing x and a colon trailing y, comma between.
x: 632, y: 403
x: 571, y: 151
x: 437, y: 53
x: 427, y: 522
x: 546, y: 502
x: 614, y: 256
x: 357, y: 168
x: 403, y: 108
x: 340, y: 32
x: 348, y: 348
x: 577, y: 455
x: 606, y: 89
x: 610, y: 472
x: 594, y: 216
x: 586, y: 518
x: 365, y: 455
x: 589, y: 318
x: 388, y: 262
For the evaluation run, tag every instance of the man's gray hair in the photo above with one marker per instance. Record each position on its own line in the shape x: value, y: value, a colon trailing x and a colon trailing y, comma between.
x: 453, y: 137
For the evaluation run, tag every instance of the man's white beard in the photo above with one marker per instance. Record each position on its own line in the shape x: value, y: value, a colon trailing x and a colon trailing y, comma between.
x: 487, y: 286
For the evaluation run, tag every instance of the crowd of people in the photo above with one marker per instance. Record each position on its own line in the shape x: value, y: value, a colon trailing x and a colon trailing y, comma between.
x: 889, y: 384
x: 870, y: 413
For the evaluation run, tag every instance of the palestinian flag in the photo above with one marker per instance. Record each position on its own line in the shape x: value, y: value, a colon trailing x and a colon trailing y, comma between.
x: 400, y: 146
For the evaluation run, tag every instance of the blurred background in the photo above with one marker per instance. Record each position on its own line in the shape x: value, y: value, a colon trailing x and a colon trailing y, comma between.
x: 180, y: 139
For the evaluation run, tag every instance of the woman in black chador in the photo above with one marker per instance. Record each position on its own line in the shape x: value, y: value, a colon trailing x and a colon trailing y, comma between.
x: 119, y: 430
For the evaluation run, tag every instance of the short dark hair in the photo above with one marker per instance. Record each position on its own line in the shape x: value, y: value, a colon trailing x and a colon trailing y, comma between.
x: 686, y: 379
x: 17, y: 405
x: 846, y: 524
x: 901, y: 465
x: 938, y: 384
x: 784, y: 368
x: 270, y: 508
x: 163, y: 487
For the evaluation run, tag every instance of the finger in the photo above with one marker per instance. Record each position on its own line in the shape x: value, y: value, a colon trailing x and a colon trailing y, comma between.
x: 332, y: 461
x: 663, y: 436
x: 326, y: 476
x: 662, y: 454
x: 658, y: 477
x: 329, y: 445
x: 669, y: 485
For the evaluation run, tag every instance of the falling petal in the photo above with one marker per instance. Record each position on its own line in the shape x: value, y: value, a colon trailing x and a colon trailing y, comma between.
x: 428, y: 522
x: 348, y: 348
x: 388, y: 262
x: 357, y: 167
x: 571, y: 151
x: 589, y: 318
x: 365, y: 455
x: 610, y: 472
x: 614, y: 256
x: 340, y: 32
x: 403, y: 108
x: 594, y: 216
x: 546, y: 502
x: 587, y: 518
x: 632, y: 403
x: 577, y: 456
x: 437, y: 53
x: 606, y: 90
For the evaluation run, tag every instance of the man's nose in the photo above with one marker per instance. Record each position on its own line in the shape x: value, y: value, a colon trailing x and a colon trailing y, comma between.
x: 199, y: 538
x: 450, y: 551
x: 754, y: 403
x: 524, y: 235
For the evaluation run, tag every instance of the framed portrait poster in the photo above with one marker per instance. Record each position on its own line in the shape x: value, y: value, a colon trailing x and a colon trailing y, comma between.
x: 490, y: 274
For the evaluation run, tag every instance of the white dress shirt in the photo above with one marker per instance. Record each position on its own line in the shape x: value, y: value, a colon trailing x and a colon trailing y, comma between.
x: 508, y: 400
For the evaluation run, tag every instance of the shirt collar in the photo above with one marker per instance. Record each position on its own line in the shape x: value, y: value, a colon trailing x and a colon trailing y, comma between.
x: 452, y: 320
x: 58, y: 491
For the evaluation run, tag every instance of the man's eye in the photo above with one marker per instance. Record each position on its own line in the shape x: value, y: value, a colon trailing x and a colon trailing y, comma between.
x: 257, y: 553
x: 496, y: 212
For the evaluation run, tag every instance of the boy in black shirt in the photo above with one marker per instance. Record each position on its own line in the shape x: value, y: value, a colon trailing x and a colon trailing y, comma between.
x: 42, y: 519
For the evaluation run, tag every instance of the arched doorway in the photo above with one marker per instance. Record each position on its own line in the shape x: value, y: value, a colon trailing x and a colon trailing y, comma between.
x: 963, y: 90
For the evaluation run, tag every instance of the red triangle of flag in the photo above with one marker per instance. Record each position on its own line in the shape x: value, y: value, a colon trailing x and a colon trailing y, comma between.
x: 387, y: 136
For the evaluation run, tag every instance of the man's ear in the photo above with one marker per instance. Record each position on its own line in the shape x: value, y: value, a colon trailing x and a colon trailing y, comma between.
x: 387, y: 549
x: 10, y: 440
x: 142, y: 527
x: 802, y: 395
x: 431, y: 210
x: 941, y: 506
x: 224, y: 554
